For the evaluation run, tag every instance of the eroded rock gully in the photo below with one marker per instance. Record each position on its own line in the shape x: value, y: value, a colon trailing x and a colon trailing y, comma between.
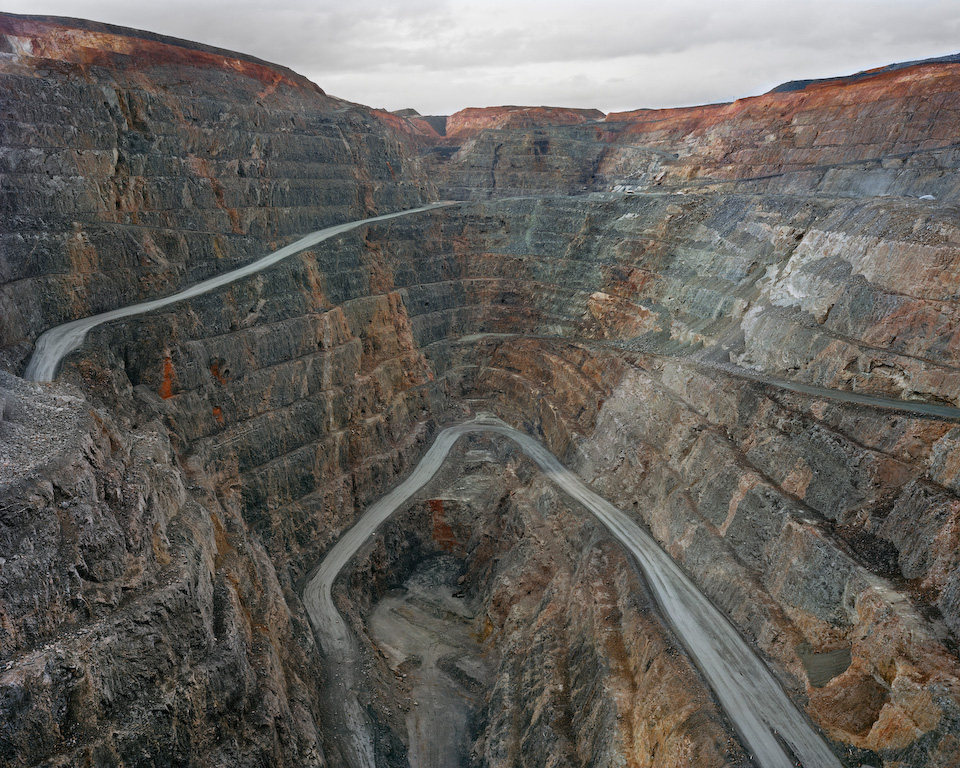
x: 623, y: 287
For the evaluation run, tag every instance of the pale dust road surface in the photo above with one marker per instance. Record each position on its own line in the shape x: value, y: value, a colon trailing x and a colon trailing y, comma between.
x: 771, y: 727
x: 56, y: 343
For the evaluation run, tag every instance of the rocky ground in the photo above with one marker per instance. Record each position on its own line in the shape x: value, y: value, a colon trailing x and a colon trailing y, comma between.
x: 425, y: 630
x: 161, y: 504
x: 559, y: 645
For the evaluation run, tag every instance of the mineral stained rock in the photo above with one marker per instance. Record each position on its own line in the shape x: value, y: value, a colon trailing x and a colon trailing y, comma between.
x: 631, y: 288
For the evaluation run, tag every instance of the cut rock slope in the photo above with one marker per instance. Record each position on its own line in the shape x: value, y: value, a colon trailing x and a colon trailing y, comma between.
x: 622, y: 287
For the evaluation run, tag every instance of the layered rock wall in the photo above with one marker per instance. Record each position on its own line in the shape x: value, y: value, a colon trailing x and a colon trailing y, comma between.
x: 584, y: 673
x: 883, y: 133
x: 197, y: 462
x: 134, y: 165
x: 140, y: 626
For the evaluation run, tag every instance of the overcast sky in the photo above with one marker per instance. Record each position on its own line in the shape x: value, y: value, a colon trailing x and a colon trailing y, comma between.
x: 438, y: 56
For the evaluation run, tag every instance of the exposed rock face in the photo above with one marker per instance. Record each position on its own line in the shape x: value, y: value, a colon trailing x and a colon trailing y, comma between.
x: 136, y: 628
x: 885, y: 133
x: 160, y: 507
x: 757, y: 494
x: 583, y: 674
x: 586, y: 676
x: 134, y: 165
x: 469, y: 122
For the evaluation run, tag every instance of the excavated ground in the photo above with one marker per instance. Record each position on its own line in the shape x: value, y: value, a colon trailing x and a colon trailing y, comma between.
x: 425, y: 630
x: 161, y: 505
x: 565, y: 654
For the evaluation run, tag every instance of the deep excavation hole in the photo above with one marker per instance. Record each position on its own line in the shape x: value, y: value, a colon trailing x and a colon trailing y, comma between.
x: 500, y: 625
x: 426, y: 631
x: 738, y: 322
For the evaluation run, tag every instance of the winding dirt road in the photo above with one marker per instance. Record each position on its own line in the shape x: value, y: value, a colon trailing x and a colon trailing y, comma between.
x: 56, y: 343
x: 777, y: 734
x: 771, y: 727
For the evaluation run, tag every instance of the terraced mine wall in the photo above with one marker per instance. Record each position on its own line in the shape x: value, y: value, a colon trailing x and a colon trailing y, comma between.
x: 576, y: 664
x: 885, y: 133
x: 134, y: 166
x: 624, y: 288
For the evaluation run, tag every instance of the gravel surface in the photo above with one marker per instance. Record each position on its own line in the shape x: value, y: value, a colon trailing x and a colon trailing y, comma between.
x: 37, y: 422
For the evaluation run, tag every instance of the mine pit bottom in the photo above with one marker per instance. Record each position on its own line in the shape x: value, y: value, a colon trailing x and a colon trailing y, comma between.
x: 426, y: 631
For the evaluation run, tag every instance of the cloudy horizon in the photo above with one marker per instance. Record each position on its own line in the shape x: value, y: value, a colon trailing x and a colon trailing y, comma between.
x: 438, y: 56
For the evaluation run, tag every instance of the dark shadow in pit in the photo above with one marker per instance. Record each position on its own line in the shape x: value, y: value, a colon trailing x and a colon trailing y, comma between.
x: 822, y: 667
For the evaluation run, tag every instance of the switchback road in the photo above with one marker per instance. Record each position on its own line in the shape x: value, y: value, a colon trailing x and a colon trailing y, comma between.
x: 772, y: 728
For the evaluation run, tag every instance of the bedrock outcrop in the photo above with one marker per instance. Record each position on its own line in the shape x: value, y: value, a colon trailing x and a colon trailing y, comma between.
x: 569, y: 663
x: 136, y: 628
x: 134, y: 165
x: 164, y: 500
x: 878, y: 133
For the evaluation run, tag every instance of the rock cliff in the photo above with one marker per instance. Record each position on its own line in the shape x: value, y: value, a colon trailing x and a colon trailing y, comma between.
x: 134, y: 165
x: 677, y: 302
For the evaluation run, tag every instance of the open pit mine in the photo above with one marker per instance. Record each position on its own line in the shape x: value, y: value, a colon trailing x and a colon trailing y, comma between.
x: 523, y: 437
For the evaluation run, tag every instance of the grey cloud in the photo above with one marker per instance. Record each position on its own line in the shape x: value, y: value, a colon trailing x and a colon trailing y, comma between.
x: 440, y: 55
